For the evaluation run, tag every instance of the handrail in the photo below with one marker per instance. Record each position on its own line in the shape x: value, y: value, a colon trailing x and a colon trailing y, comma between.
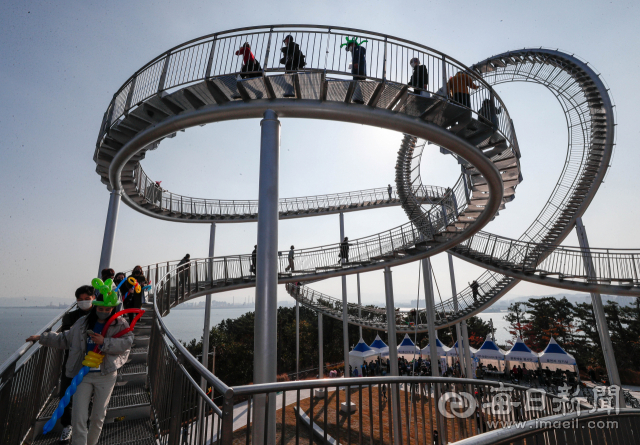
x: 533, y: 427
x: 169, y: 70
x: 184, y: 353
x: 169, y: 201
x: 271, y: 28
x: 13, y: 358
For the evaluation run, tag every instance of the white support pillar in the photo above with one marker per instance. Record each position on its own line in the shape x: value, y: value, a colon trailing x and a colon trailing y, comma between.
x: 207, y: 312
x: 433, y: 338
x: 598, y: 313
x: 345, y: 307
x: 320, y: 347
x: 454, y: 293
x: 110, y: 230
x: 431, y: 316
x: 205, y: 334
x: 359, y: 303
x: 393, y: 352
x: 297, y: 340
x: 266, y: 304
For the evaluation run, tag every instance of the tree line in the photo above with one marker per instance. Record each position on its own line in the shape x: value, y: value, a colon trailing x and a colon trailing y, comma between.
x: 574, y: 328
x: 233, y: 341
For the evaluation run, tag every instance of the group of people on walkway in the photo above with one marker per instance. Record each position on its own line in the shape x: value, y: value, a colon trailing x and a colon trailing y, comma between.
x: 81, y: 332
x: 458, y: 86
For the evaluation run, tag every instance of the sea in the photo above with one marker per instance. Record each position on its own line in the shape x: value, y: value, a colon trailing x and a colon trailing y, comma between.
x: 16, y: 324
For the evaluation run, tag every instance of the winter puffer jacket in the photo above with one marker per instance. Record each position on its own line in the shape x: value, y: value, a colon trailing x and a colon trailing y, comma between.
x: 116, y: 350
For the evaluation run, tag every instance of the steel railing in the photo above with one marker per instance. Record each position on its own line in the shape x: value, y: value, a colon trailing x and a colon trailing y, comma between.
x: 588, y: 109
x: 174, y: 203
x: 27, y: 380
x: 176, y: 395
x: 387, y: 60
x: 602, y: 427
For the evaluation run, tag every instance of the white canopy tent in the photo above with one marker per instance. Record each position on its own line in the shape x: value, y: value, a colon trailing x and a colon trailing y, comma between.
x: 452, y: 353
x: 380, y: 347
x: 408, y: 349
x: 490, y: 352
x: 359, y: 353
x: 442, y: 354
x: 443, y: 351
x: 521, y: 355
x: 557, y: 357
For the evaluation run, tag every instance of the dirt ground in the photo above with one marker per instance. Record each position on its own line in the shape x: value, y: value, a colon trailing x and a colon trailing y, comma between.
x: 370, y: 424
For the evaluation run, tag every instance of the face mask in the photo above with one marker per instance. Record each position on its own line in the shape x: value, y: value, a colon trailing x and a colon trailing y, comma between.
x: 85, y: 305
x: 413, y: 65
x: 103, y: 315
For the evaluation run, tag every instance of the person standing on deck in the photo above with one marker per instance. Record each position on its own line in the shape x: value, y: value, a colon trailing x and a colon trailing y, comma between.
x: 290, y: 258
x: 420, y: 77
x: 358, y: 64
x: 458, y: 87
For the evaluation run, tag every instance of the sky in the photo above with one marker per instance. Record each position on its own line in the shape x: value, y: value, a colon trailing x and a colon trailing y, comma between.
x: 61, y: 62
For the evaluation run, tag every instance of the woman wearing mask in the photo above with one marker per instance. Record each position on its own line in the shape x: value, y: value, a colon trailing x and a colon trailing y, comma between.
x: 84, y: 297
x: 84, y: 336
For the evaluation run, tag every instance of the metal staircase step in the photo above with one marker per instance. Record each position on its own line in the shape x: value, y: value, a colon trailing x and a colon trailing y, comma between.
x: 130, y: 401
x: 128, y: 432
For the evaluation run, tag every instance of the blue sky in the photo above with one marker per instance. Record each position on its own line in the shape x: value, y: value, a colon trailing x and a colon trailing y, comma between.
x: 61, y: 62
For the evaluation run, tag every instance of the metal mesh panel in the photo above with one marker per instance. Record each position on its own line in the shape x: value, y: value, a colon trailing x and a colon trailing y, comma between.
x: 310, y: 85
x: 337, y: 90
x: 282, y: 85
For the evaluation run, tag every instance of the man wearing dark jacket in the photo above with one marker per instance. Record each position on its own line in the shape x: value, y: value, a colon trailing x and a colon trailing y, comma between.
x: 420, y: 77
x: 184, y: 267
x: 292, y: 57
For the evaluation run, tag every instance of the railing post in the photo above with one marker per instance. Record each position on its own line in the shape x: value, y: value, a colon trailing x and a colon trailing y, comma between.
x: 207, y: 72
x: 127, y: 104
x: 227, y: 418
x: 384, y: 61
x: 175, y: 423
x: 5, y: 408
x: 466, y: 189
x: 168, y: 302
x: 266, y: 57
x: 444, y: 77
x: 163, y: 76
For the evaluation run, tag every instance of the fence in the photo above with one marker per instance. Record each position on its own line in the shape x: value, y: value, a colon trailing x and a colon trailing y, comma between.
x: 387, y: 59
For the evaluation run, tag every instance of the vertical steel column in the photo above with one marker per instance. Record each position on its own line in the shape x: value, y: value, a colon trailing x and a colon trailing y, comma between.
x: 454, y: 293
x: 297, y: 340
x: 205, y: 335
x: 393, y: 352
x: 598, y: 313
x: 207, y: 311
x: 345, y: 307
x: 431, y: 317
x: 359, y: 303
x: 266, y: 304
x: 433, y: 338
x: 320, y: 346
x: 110, y: 229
